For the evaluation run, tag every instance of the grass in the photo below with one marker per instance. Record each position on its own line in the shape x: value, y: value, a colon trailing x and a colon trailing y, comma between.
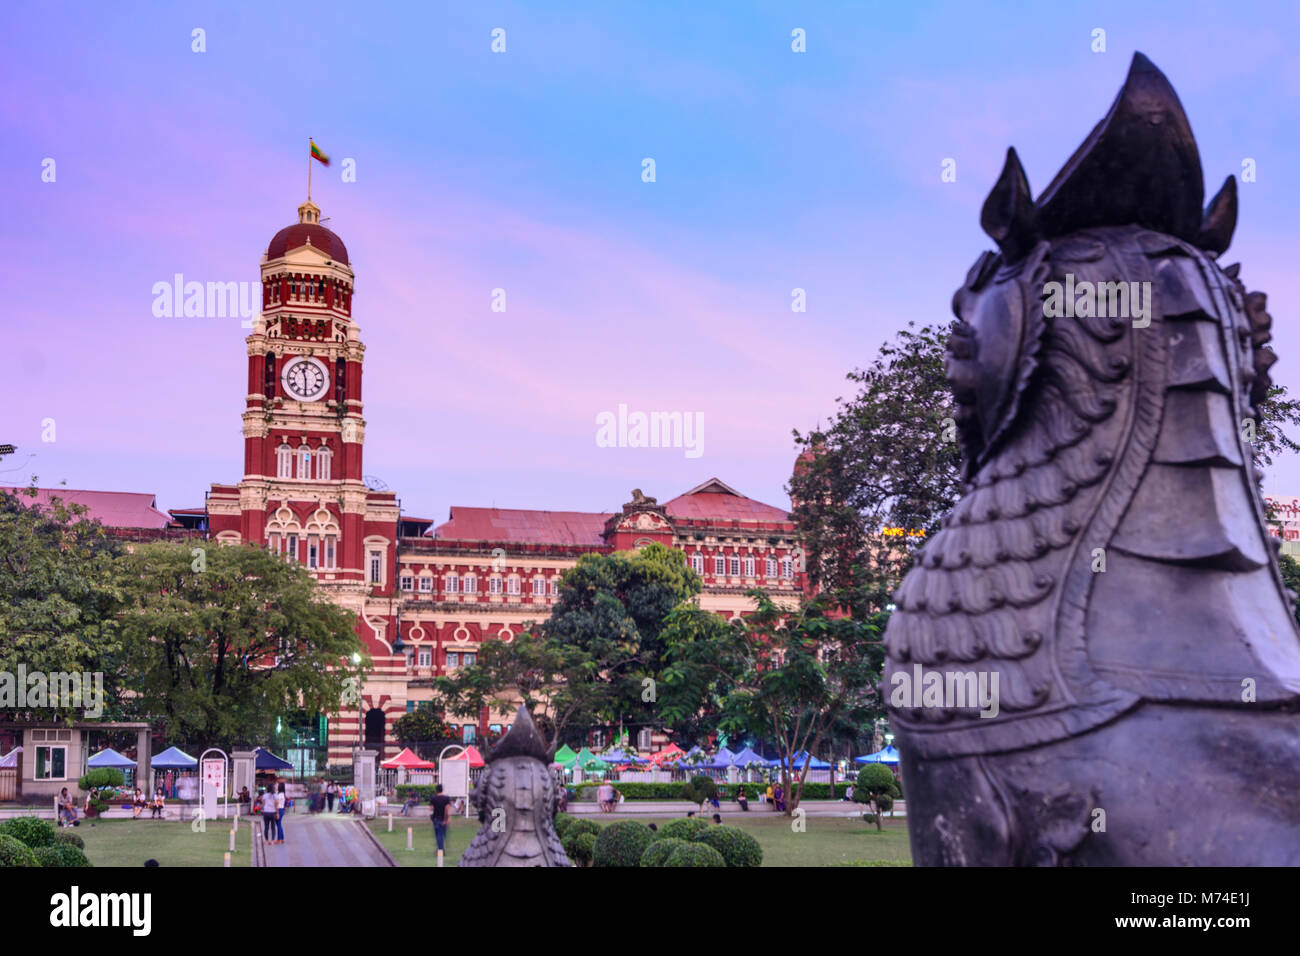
x: 170, y: 842
x: 826, y: 841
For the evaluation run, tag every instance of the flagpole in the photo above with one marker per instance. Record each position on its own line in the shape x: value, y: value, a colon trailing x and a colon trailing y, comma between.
x: 309, y: 169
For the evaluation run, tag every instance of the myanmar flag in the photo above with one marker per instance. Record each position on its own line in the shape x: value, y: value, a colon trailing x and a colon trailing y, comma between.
x: 317, y: 154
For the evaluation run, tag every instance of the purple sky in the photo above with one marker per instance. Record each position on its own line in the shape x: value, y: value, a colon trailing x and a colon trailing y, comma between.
x: 522, y: 171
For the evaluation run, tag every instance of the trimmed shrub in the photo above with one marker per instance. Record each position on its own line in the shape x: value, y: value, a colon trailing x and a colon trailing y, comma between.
x: 876, y: 786
x: 726, y: 791
x: 13, y: 852
x: 562, y: 822
x: 60, y: 855
x: 683, y: 828
x: 622, y: 843
x: 737, y: 847
x: 659, y: 851
x: 700, y: 789
x: 868, y: 817
x: 695, y: 854
x: 30, y: 831
x: 579, y: 847
x: 101, y: 783
x: 70, y: 838
x: 578, y: 825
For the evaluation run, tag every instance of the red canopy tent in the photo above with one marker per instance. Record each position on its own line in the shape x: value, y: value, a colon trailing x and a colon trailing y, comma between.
x: 475, y: 758
x: 671, y: 752
x: 407, y: 760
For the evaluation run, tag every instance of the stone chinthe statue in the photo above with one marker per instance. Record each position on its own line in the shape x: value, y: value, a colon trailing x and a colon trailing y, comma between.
x: 1095, y: 660
x: 515, y: 799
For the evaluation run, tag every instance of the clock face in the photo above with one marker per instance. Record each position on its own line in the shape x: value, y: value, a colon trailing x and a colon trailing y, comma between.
x: 306, y: 379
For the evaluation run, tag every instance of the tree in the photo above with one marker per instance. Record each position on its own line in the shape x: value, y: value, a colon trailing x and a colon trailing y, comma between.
x: 889, y: 459
x: 596, y: 659
x: 222, y: 642
x: 58, y: 597
x: 421, y: 726
x: 1291, y: 578
x: 876, y: 787
x: 699, y: 789
x: 789, y: 675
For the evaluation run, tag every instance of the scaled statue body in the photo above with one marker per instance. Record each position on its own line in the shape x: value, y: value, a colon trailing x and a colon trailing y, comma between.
x: 1147, y: 712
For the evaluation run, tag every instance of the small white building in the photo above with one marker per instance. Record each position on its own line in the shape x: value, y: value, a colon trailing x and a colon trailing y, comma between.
x: 54, y: 754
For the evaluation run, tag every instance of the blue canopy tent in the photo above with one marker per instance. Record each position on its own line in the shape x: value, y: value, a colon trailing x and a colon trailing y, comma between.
x: 618, y: 756
x: 269, y: 761
x: 796, y: 762
x: 747, y: 756
x: 173, y: 758
x: 888, y: 755
x: 108, y: 757
x: 719, y: 761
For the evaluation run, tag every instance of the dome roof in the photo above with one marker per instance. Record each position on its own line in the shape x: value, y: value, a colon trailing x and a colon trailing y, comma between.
x: 291, y: 237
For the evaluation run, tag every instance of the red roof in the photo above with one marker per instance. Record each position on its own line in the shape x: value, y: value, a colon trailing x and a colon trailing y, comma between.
x: 408, y: 760
x: 716, y: 501
x: 113, y: 509
x: 519, y: 526
x: 291, y: 237
x: 471, y: 752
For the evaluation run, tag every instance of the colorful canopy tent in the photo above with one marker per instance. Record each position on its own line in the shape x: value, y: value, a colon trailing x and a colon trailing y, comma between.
x: 565, y: 757
x: 888, y: 755
x: 269, y: 761
x: 796, y: 762
x: 173, y: 758
x: 11, y: 758
x: 619, y: 756
x: 586, y: 757
x: 746, y: 757
x: 407, y: 760
x: 108, y: 757
x: 669, y: 754
x: 470, y: 753
x: 719, y: 761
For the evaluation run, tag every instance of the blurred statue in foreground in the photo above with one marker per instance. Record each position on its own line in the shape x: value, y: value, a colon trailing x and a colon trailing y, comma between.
x: 515, y: 798
x: 1095, y: 661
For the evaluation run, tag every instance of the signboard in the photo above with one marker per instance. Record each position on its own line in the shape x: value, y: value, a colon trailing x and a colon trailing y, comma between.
x: 212, y: 784
x: 1284, y: 516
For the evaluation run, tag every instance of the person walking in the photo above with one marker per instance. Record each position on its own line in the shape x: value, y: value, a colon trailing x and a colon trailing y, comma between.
x: 441, y: 816
x: 281, y: 801
x: 268, y: 817
x: 331, y: 792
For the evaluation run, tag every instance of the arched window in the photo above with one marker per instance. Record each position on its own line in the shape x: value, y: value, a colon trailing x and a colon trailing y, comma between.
x: 304, y: 461
x: 323, y: 458
x: 284, y: 462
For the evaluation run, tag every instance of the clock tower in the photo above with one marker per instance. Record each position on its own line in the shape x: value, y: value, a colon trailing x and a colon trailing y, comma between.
x: 302, y: 493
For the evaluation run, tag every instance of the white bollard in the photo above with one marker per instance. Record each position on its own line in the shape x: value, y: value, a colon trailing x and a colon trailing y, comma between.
x: 232, y: 841
x: 390, y: 823
x: 439, y: 858
x: 227, y: 859
x: 410, y: 838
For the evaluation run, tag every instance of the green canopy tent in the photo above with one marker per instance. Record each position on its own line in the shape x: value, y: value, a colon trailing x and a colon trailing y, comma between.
x: 565, y: 757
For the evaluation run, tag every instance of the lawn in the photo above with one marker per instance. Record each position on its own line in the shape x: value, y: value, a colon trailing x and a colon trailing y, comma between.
x: 170, y: 842
x: 826, y: 841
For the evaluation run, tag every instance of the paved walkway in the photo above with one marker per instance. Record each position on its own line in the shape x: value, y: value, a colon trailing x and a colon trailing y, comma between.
x: 323, y: 841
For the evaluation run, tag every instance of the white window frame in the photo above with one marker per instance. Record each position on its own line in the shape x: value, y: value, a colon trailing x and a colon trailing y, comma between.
x: 323, y: 458
x: 406, y: 582
x: 284, y: 461
x: 749, y: 567
x: 426, y: 584
x: 719, y: 565
x: 451, y: 584
x: 49, y: 762
x: 304, y: 462
x: 697, y: 563
x: 735, y: 566
x: 469, y: 584
x: 426, y: 657
x: 539, y: 587
x: 771, y: 567
x: 331, y: 552
x: 313, y: 551
x: 453, y: 660
x: 375, y: 562
x: 495, y: 585
x: 555, y: 586
x: 512, y: 584
x: 787, y: 568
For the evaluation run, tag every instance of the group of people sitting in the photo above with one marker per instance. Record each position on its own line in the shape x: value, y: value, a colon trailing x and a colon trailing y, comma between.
x: 155, y: 805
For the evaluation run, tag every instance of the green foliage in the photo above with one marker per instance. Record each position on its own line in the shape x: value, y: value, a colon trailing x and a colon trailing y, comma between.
x: 737, y: 847
x: 699, y: 789
x: 561, y: 823
x: 220, y: 652
x: 70, y: 838
x: 100, y: 783
x: 30, y: 831
x: 683, y: 828
x: 876, y: 786
x: 421, y: 726
x: 1276, y: 412
x: 695, y: 854
x: 582, y: 825
x: 60, y: 855
x: 622, y: 843
x: 579, y: 847
x: 1291, y: 578
x: 586, y: 663
x: 727, y: 791
x: 58, y: 596
x: 658, y: 852
x: 14, y: 852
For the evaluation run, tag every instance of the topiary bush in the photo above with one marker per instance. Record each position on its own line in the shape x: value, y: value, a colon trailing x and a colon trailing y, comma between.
x: 700, y: 789
x: 578, y: 825
x: 60, y: 855
x: 562, y: 822
x: 737, y: 847
x: 579, y: 847
x: 876, y: 786
x: 100, y: 783
x: 684, y: 828
x: 30, y: 831
x: 695, y: 854
x: 659, y: 851
x: 70, y: 838
x: 622, y: 843
x: 13, y: 852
